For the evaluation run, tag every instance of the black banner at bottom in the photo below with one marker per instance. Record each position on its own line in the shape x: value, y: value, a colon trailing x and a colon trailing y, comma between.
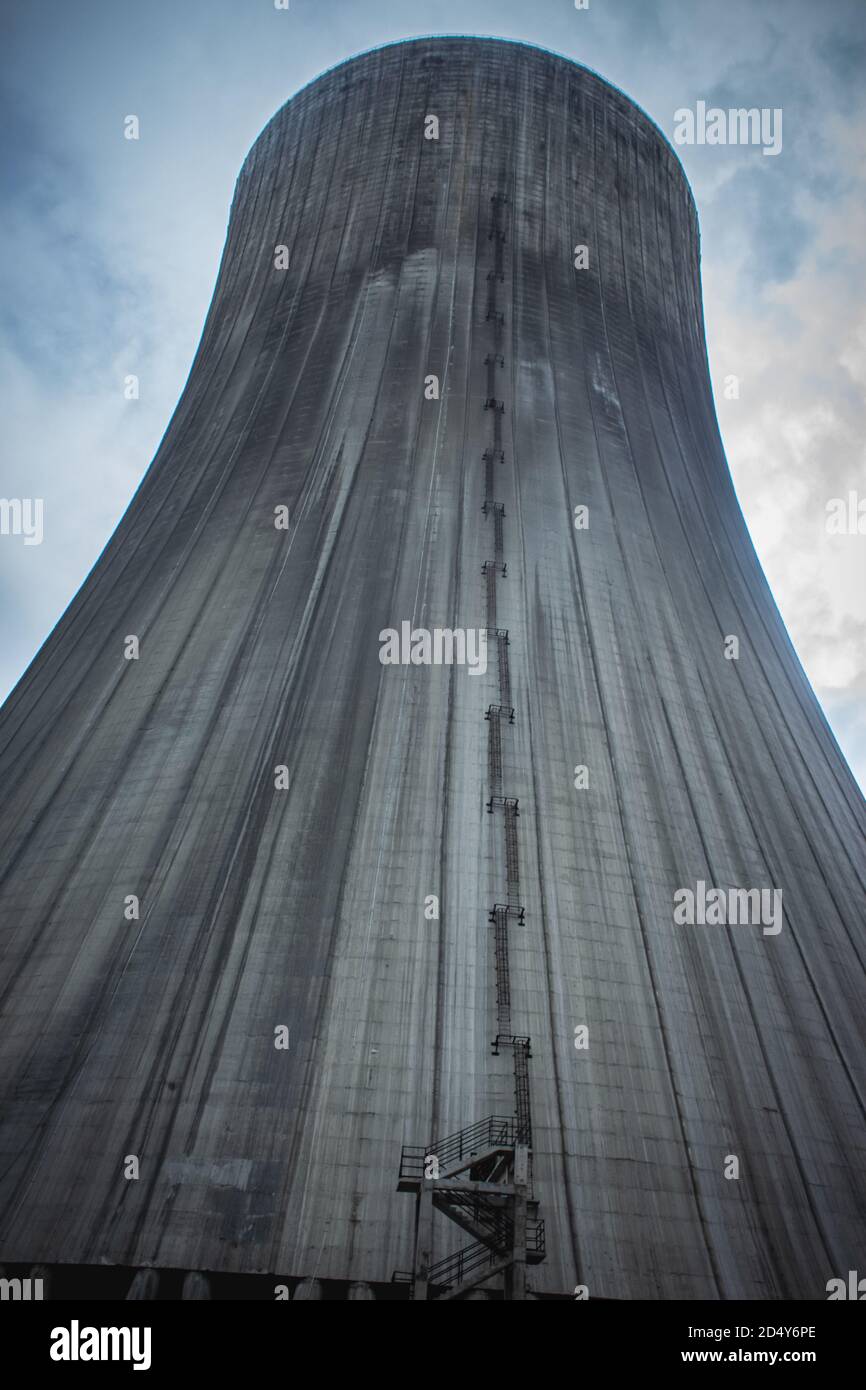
x: 165, y: 1339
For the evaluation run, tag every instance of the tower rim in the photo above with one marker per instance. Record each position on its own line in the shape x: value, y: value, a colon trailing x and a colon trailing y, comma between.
x: 491, y: 39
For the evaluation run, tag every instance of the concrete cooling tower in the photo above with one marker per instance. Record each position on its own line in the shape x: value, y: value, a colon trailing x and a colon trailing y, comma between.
x: 426, y: 870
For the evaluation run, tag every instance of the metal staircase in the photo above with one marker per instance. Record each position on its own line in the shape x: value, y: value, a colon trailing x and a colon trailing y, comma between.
x: 478, y: 1178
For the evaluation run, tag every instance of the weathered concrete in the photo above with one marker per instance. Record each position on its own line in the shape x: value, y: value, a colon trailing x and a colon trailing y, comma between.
x: 259, y: 647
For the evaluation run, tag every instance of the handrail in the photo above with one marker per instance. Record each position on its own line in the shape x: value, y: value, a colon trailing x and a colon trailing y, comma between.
x: 454, y: 1268
x: 495, y: 1129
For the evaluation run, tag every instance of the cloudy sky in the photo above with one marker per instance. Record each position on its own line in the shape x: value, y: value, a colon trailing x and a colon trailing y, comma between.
x: 109, y: 250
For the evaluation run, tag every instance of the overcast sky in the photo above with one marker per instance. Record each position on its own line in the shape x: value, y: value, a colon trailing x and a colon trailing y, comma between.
x: 109, y: 250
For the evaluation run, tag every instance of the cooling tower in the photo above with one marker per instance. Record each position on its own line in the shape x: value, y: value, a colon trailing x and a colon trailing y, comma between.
x: 423, y: 781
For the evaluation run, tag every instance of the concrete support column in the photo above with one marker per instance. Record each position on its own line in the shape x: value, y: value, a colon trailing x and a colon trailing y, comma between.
x: 144, y: 1286
x: 308, y: 1291
x: 196, y: 1288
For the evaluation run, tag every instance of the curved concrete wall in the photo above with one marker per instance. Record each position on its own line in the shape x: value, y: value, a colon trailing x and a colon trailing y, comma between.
x: 259, y: 647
